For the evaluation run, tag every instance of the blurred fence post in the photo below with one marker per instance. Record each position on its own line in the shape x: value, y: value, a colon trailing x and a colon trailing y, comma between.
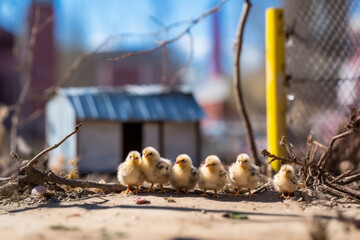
x: 275, y: 82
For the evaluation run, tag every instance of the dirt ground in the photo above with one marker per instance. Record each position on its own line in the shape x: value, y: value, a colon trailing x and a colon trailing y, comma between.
x: 116, y: 216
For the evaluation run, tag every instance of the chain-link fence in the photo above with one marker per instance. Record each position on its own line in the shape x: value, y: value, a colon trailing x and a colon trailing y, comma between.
x: 322, y: 66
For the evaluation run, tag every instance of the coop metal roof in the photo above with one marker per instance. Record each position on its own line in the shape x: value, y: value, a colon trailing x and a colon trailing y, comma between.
x: 133, y: 103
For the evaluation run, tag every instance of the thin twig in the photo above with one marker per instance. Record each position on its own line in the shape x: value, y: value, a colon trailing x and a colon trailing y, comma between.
x: 265, y: 153
x: 237, y: 81
x: 35, y: 159
x: 174, y: 39
x: 27, y: 80
x: 350, y: 179
x: 181, y: 71
x: 163, y: 50
x: 341, y: 176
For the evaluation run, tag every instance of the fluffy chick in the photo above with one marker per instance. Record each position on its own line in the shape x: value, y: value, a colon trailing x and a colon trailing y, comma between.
x: 243, y: 174
x: 183, y: 175
x: 285, y: 181
x: 212, y: 175
x: 155, y: 168
x: 129, y: 172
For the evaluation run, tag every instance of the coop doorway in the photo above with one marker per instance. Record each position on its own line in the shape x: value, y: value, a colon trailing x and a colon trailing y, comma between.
x: 132, y: 138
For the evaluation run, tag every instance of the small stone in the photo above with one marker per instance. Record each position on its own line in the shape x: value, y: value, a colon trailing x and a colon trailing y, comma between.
x: 38, y: 191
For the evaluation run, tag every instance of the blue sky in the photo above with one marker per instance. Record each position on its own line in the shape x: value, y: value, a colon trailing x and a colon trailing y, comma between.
x: 86, y: 24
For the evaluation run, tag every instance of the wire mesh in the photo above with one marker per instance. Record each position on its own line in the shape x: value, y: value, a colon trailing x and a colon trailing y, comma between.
x: 322, y: 66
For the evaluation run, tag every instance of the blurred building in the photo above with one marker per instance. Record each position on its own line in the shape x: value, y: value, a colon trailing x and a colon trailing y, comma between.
x: 120, y: 120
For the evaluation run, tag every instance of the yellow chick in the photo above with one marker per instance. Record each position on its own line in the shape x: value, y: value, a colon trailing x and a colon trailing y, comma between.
x: 285, y: 181
x: 243, y: 174
x: 155, y: 168
x: 183, y: 175
x: 212, y: 175
x: 129, y: 172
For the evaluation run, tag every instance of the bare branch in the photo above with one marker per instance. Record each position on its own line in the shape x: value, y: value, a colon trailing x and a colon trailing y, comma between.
x: 27, y: 80
x: 341, y: 176
x: 181, y: 71
x: 350, y: 179
x: 46, y: 22
x: 163, y: 51
x: 35, y: 159
x: 237, y: 81
x: 174, y: 39
x: 265, y: 153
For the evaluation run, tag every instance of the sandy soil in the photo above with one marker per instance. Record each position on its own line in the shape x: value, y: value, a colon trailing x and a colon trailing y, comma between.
x: 116, y: 216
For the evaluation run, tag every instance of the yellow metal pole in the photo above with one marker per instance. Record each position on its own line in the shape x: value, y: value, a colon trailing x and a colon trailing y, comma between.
x: 275, y: 82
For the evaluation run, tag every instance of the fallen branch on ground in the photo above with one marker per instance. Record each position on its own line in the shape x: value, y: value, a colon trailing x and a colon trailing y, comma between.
x: 29, y: 175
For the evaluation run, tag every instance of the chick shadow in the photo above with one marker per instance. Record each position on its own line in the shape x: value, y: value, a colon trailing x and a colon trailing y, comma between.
x: 267, y: 196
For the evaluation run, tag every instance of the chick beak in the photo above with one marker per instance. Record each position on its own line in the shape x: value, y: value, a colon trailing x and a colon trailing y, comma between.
x: 284, y: 173
x: 145, y: 155
x: 241, y: 163
x: 178, y: 162
x: 207, y: 165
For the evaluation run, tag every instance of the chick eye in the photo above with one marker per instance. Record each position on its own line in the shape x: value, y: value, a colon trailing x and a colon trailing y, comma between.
x: 150, y: 154
x: 183, y: 160
x: 213, y: 164
x: 245, y: 160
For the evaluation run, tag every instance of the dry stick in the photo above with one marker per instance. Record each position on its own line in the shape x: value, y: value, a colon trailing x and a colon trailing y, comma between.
x: 38, y: 176
x: 288, y: 149
x: 324, y: 158
x: 309, y: 145
x: 237, y: 81
x: 36, y: 114
x: 181, y: 71
x: 316, y: 143
x: 70, y: 72
x: 337, y: 192
x: 265, y: 153
x: 174, y: 39
x: 350, y: 179
x: 348, y: 172
x: 35, y: 159
x: 27, y: 80
x: 349, y: 191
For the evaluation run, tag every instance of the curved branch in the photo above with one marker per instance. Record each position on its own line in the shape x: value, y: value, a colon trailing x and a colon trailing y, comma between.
x: 237, y: 81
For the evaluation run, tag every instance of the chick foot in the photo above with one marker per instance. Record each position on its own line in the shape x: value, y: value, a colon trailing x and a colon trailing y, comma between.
x: 216, y: 195
x: 204, y: 194
x: 250, y: 194
x: 177, y: 191
x: 162, y: 189
x: 236, y: 194
x: 283, y: 196
x: 127, y: 190
x: 150, y: 189
x: 136, y: 191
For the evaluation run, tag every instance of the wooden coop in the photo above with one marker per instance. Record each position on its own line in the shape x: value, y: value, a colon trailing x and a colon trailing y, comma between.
x: 118, y: 120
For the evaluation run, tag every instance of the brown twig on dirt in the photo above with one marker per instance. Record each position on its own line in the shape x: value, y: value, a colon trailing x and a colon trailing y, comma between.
x: 314, y: 172
x: 237, y: 81
x: 350, y: 179
x: 341, y: 176
x: 191, y: 24
x: 346, y: 190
